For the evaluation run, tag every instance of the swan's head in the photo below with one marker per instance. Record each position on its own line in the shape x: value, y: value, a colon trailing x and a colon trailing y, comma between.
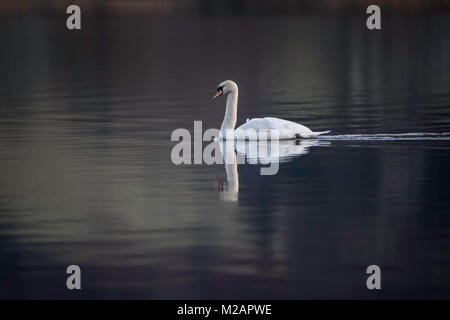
x: 225, y: 87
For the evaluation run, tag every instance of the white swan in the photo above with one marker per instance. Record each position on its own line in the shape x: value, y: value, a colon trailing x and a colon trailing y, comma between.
x: 253, y: 128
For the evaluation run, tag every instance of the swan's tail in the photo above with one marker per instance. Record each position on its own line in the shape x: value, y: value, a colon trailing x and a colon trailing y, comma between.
x: 318, y: 133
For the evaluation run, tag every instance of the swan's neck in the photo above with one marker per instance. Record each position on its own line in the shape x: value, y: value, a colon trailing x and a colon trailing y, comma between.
x: 229, y: 122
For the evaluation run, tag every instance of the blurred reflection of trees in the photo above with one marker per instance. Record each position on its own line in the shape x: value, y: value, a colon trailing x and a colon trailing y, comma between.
x: 213, y: 7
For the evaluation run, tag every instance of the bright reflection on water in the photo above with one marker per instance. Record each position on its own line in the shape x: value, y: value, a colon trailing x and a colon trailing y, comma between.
x: 86, y: 176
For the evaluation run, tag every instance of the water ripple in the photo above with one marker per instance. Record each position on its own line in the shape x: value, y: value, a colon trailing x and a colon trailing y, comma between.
x: 389, y: 136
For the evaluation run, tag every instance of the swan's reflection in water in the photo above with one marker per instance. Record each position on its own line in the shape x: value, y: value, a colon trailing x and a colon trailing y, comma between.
x: 257, y: 153
x: 229, y: 189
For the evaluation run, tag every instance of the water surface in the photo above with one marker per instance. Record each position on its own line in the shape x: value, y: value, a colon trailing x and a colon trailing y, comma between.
x: 87, y: 179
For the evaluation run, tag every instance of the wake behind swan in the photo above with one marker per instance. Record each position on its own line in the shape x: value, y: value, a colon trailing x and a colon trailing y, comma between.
x: 409, y: 136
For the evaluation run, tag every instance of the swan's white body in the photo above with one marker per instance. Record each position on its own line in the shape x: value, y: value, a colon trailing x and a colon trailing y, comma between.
x: 258, y: 128
x: 284, y: 129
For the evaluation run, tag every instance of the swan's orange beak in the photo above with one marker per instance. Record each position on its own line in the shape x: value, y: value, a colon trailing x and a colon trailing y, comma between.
x: 218, y: 94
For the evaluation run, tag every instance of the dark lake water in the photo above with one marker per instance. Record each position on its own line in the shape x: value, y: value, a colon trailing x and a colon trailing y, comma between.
x: 86, y: 176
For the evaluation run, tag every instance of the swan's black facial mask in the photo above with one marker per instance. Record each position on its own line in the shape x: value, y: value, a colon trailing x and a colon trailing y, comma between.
x: 218, y: 93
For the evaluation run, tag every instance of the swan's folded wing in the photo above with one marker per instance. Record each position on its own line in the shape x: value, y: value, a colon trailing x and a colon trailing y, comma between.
x: 286, y: 129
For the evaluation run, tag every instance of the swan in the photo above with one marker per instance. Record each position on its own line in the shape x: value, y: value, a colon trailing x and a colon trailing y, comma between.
x: 250, y: 130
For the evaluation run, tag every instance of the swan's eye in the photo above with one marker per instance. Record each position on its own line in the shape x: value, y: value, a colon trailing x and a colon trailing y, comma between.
x: 219, y: 89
